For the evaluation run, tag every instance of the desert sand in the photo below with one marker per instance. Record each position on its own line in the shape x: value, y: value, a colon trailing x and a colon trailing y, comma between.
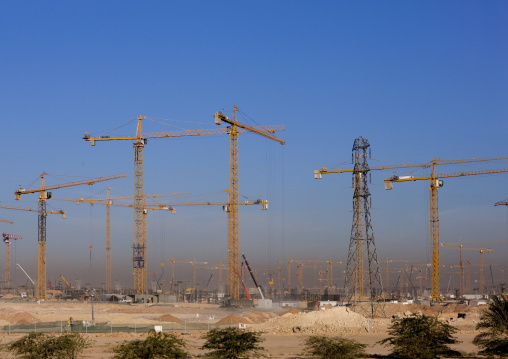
x: 284, y: 329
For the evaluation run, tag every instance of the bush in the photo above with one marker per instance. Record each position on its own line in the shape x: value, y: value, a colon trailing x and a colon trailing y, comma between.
x: 42, y: 346
x: 420, y: 337
x: 333, y: 348
x: 494, y: 341
x: 156, y: 345
x: 231, y: 343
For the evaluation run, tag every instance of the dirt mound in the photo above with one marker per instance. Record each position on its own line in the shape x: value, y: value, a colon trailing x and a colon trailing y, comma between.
x: 259, y: 317
x: 170, y: 318
x: 10, y: 296
x: 20, y: 318
x: 233, y: 319
x: 336, y: 319
x: 291, y: 311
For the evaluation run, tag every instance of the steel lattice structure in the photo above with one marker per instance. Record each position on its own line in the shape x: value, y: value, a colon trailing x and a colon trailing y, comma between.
x: 361, y: 285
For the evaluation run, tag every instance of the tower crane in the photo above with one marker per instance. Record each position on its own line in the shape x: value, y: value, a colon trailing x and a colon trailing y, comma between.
x: 435, y: 184
x: 233, y: 130
x: 194, y: 271
x: 7, y: 238
x: 108, y: 202
x: 289, y: 261
x: 140, y: 140
x: 388, y: 270
x: 318, y: 174
x: 461, y: 262
x: 44, y: 195
x: 481, y: 251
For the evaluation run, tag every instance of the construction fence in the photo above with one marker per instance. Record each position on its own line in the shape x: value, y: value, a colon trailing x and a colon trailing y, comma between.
x: 108, y: 327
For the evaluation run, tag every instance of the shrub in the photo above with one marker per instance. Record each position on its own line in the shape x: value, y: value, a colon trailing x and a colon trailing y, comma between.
x: 231, y: 343
x: 156, y: 345
x: 333, y: 348
x: 420, y: 337
x: 42, y: 346
x: 494, y: 340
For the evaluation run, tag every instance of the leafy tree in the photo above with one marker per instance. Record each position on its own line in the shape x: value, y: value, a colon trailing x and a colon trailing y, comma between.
x: 494, y: 340
x: 231, y: 343
x: 420, y: 337
x: 43, y: 346
x: 156, y: 345
x: 333, y: 348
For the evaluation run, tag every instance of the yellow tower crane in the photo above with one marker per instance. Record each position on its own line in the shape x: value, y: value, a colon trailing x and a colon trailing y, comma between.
x: 481, y: 251
x: 7, y: 238
x: 140, y: 140
x: 226, y: 207
x: 194, y: 271
x: 233, y: 221
x: 435, y: 184
x: 358, y: 242
x: 43, y: 196
x: 434, y: 209
x: 289, y: 261
x: 108, y: 202
x: 387, y: 261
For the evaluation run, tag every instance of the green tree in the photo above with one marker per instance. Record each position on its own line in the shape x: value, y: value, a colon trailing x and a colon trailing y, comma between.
x: 420, y: 337
x: 43, y: 346
x: 494, y: 321
x: 231, y: 343
x: 156, y: 345
x: 333, y: 348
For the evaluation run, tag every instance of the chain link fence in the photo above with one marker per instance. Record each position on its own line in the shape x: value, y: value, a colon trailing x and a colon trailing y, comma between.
x: 108, y: 327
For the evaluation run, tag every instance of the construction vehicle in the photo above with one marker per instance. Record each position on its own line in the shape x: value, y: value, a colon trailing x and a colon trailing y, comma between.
x: 65, y: 281
x: 44, y: 195
x: 253, y: 278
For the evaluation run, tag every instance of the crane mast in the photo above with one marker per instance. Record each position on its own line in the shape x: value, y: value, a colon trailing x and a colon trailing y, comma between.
x: 140, y: 140
x: 139, y: 247
x: 7, y: 238
x: 42, y: 214
x: 435, y: 184
x: 108, y: 241
x: 233, y: 264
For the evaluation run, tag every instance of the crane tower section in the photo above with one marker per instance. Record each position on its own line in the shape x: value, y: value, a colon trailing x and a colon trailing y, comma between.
x: 7, y: 238
x: 359, y: 287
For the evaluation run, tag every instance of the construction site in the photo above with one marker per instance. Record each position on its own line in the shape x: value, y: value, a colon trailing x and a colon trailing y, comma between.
x: 294, y: 170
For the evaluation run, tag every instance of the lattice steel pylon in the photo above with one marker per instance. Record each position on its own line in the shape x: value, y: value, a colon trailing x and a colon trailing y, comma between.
x: 361, y: 285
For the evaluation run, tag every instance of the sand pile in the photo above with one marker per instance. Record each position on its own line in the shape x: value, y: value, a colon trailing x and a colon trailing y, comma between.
x: 170, y: 318
x: 336, y: 319
x: 248, y: 318
x: 232, y: 319
x: 291, y: 311
x: 10, y: 296
x: 19, y: 318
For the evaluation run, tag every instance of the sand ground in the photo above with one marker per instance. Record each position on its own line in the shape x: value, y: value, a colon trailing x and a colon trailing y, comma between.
x: 278, y: 325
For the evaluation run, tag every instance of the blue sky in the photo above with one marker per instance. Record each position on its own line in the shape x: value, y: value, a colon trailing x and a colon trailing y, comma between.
x: 417, y: 79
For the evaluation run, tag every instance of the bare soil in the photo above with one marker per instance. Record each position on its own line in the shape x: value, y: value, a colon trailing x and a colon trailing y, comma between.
x: 284, y: 331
